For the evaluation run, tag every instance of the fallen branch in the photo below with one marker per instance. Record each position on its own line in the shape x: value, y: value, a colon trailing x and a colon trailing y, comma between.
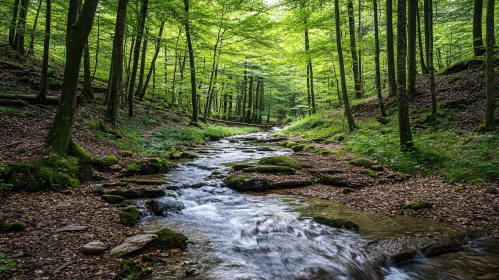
x: 13, y: 102
x: 11, y: 144
x: 31, y: 99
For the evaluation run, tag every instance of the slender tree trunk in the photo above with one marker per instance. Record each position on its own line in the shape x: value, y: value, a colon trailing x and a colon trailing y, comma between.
x: 42, y: 95
x: 88, y: 92
x: 310, y: 71
x: 406, y: 143
x: 424, y: 69
x: 211, y: 95
x: 142, y: 66
x: 262, y: 102
x: 153, y: 63
x: 353, y: 49
x: 478, y: 47
x: 212, y: 76
x: 392, y: 83
x: 250, y: 99
x: 31, y: 47
x: 428, y: 10
x: 376, y: 59
x: 136, y: 54
x: 412, y: 47
x: 490, y: 106
x: 348, y: 112
x: 192, y: 65
x: 111, y: 116
x: 243, y: 105
x: 97, y: 47
x: 13, y: 22
x: 359, y: 38
x: 59, y: 136
x: 21, y: 28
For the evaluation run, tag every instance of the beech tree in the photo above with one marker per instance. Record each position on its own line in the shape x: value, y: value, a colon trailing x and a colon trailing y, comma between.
x: 490, y: 106
x: 478, y: 47
x: 392, y: 83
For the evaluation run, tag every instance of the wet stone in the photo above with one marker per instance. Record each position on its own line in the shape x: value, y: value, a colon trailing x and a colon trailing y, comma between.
x: 94, y: 248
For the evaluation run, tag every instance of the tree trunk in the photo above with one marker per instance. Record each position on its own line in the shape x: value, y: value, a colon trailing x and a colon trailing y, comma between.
x: 13, y: 22
x: 111, y: 116
x: 428, y: 10
x: 310, y: 72
x: 348, y: 112
x: 412, y: 47
x: 490, y: 106
x: 250, y: 99
x: 192, y: 65
x: 42, y: 95
x: 424, y: 69
x: 31, y: 47
x: 262, y: 102
x: 136, y: 54
x: 406, y: 143
x: 21, y: 28
x: 153, y: 63
x: 376, y: 59
x: 59, y: 136
x: 359, y: 38
x: 243, y: 105
x: 353, y: 49
x: 478, y: 47
x: 88, y: 92
x: 142, y: 71
x: 97, y: 47
x: 392, y: 83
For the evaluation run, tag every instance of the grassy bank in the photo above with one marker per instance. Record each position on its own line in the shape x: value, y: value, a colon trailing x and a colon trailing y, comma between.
x: 456, y: 155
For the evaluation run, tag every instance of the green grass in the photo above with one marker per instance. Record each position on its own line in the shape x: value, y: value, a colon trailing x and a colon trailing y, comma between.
x: 458, y: 156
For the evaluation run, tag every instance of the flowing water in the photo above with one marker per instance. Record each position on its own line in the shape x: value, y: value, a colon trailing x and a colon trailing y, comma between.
x: 244, y: 236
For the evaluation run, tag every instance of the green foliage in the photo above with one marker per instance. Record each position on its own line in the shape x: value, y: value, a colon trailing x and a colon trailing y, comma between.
x: 284, y: 161
x: 126, y: 153
x: 130, y: 216
x: 11, y: 226
x: 491, y: 190
x: 76, y: 151
x: 282, y: 170
x: 27, y: 111
x: 6, y: 265
x: 113, y: 199
x: 169, y: 239
x: 132, y: 167
x: 336, y: 223
x: 417, y: 205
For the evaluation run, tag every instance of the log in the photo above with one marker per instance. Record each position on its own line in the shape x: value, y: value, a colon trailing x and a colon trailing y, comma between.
x: 13, y: 102
x: 31, y: 99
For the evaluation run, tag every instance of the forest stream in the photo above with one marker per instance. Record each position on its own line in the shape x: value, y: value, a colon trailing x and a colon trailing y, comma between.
x: 249, y: 236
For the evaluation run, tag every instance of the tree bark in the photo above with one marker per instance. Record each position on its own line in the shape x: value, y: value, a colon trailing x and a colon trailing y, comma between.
x: 250, y: 99
x: 412, y: 47
x: 59, y: 136
x: 428, y: 9
x: 111, y: 116
x: 21, y: 28
x: 376, y: 59
x: 424, y: 69
x: 348, y: 112
x: 13, y: 22
x: 153, y: 63
x: 406, y: 143
x: 478, y: 47
x: 310, y: 71
x: 142, y: 71
x: 392, y: 83
x: 490, y: 106
x: 42, y: 94
x: 192, y: 65
x: 353, y: 49
x: 136, y: 54
x: 97, y: 47
x: 88, y: 92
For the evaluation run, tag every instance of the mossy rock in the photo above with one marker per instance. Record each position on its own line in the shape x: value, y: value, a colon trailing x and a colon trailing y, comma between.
x: 126, y: 153
x: 336, y: 223
x: 49, y: 174
x: 284, y: 161
x: 130, y: 216
x: 280, y: 170
x: 288, y: 144
x: 245, y: 183
x: 100, y: 164
x: 169, y: 239
x: 132, y: 167
x: 297, y: 148
x: 361, y: 163
x: 114, y: 184
x: 146, y: 258
x: 417, y: 205
x: 111, y: 160
x: 154, y: 166
x: 189, y: 155
x: 377, y: 168
x: 239, y: 167
x: 144, y: 182
x: 491, y: 190
x: 78, y: 152
x: 370, y: 173
x: 398, y: 177
x: 113, y: 199
x: 176, y: 155
x: 11, y: 226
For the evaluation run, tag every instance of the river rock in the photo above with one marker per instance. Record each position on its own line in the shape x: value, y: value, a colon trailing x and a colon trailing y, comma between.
x: 72, y: 228
x: 94, y: 248
x: 165, y: 206
x: 245, y: 183
x: 133, y: 244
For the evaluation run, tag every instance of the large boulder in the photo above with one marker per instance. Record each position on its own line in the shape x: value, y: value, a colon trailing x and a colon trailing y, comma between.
x: 133, y: 244
x: 245, y: 183
x: 165, y: 206
x: 169, y: 239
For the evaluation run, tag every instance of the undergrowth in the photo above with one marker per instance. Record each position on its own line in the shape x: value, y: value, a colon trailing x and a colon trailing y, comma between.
x: 458, y: 156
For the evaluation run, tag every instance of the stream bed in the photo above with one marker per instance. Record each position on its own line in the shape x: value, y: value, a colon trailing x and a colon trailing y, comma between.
x: 248, y: 236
